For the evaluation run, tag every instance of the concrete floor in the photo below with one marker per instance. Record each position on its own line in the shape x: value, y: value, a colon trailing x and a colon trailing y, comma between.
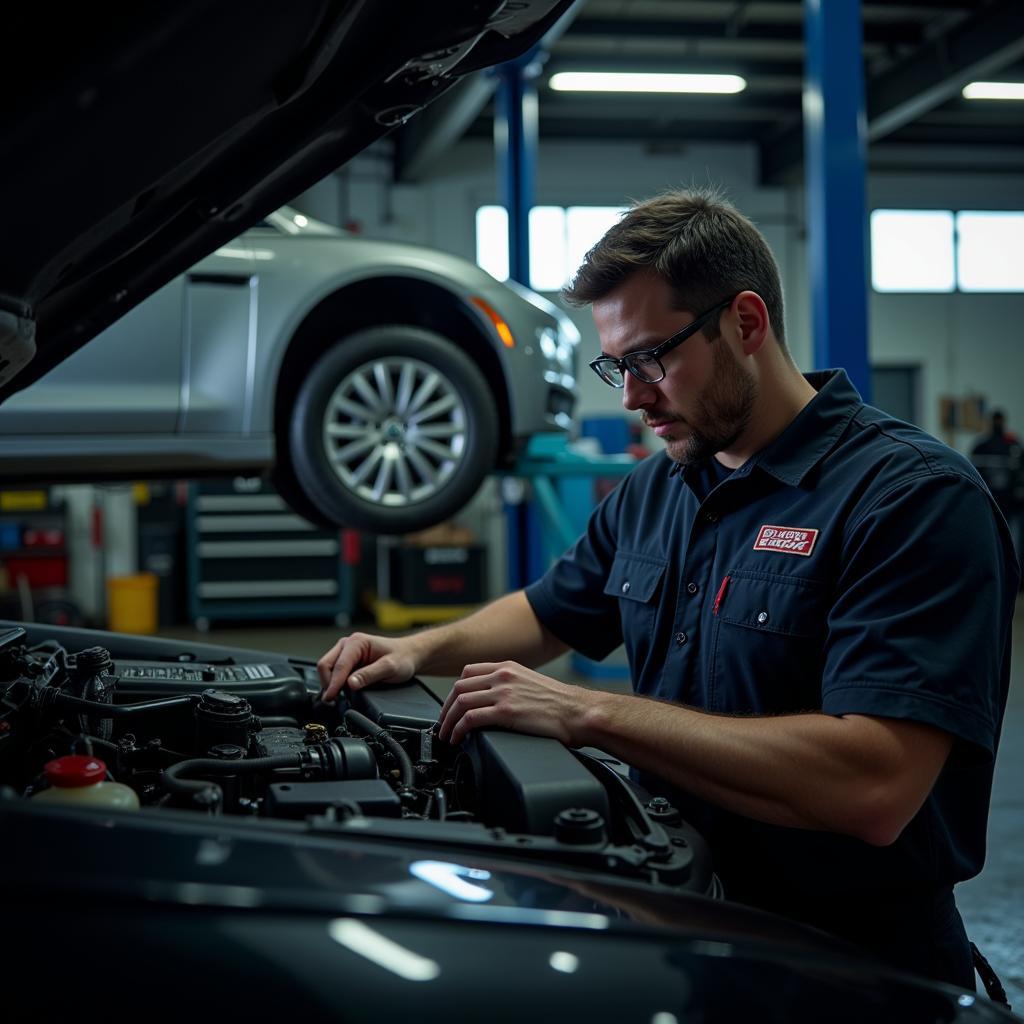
x: 992, y: 904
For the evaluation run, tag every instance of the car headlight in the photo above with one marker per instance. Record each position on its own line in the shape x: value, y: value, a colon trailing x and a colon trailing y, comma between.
x: 547, y: 338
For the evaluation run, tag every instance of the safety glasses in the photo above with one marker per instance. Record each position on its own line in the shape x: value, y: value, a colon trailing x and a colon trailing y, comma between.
x: 646, y: 364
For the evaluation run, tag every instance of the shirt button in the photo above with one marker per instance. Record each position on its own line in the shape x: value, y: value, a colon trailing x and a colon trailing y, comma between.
x: 710, y: 517
x: 625, y: 587
x: 681, y: 638
x: 762, y: 617
x: 691, y: 588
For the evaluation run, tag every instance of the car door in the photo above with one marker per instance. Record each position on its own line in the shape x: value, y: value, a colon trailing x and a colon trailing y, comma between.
x: 219, y: 339
x: 126, y: 381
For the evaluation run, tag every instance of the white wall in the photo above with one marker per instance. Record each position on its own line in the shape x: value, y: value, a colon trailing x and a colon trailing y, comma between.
x: 964, y: 343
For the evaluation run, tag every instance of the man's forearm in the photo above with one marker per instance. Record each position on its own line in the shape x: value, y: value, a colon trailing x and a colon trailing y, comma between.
x: 844, y: 774
x: 506, y: 629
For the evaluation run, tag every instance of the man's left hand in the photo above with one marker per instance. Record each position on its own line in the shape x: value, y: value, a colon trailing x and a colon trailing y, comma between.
x: 506, y: 695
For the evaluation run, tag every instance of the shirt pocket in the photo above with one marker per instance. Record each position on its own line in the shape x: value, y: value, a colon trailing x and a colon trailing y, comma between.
x: 637, y: 581
x: 769, y: 644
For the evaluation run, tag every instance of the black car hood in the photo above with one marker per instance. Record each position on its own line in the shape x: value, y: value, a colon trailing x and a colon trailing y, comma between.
x: 179, y: 858
x: 346, y: 928
x: 139, y: 139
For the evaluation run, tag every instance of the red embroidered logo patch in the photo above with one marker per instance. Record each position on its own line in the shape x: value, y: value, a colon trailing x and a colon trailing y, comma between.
x: 787, y: 540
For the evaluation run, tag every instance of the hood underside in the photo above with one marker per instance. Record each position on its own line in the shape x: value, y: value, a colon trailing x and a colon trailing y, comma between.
x: 138, y: 139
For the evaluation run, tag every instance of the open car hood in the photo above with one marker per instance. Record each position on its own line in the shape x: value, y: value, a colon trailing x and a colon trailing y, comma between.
x: 138, y: 140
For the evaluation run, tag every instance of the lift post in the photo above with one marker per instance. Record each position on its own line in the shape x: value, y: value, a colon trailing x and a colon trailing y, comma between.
x: 515, y: 144
x: 540, y: 532
x: 835, y: 147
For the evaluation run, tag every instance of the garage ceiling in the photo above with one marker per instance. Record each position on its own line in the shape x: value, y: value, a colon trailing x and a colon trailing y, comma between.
x: 917, y: 56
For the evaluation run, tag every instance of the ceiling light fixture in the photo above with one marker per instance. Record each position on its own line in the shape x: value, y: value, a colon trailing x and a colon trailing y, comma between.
x: 994, y: 91
x: 619, y: 81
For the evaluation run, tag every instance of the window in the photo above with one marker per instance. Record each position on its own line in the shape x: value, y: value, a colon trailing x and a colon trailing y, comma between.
x: 912, y: 251
x: 990, y: 251
x: 943, y: 251
x: 584, y: 227
x: 547, y: 248
x: 559, y: 239
x: 492, y: 241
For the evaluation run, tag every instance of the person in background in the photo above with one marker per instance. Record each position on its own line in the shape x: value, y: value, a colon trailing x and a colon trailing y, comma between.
x: 999, y: 459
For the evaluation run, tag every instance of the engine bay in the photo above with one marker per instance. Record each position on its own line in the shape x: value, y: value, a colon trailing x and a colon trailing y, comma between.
x: 149, y: 727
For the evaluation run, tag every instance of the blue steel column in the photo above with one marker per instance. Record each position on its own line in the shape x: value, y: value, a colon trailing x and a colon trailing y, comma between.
x: 515, y: 143
x: 835, y: 147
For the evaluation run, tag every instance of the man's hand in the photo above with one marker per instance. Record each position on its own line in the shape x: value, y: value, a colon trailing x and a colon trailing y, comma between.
x: 378, y: 660
x: 509, y: 696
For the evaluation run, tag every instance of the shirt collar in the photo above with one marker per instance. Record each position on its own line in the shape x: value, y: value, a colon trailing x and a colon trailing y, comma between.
x: 816, y: 429
x: 811, y: 436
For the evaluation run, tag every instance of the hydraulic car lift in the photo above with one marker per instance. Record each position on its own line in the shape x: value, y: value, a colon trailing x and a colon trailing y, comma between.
x: 562, y: 483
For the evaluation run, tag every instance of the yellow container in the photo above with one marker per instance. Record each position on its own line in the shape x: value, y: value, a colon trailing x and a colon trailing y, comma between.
x: 100, y: 794
x: 132, y: 603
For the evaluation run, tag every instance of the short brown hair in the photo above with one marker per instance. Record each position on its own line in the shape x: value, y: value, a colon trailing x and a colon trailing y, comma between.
x: 698, y: 242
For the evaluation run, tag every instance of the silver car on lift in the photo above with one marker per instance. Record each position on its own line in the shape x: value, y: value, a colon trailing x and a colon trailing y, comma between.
x: 379, y: 381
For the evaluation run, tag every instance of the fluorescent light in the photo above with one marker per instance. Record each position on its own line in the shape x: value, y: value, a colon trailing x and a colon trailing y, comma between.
x: 616, y: 81
x: 451, y: 878
x: 364, y: 941
x: 567, y: 963
x: 300, y: 220
x: 994, y: 91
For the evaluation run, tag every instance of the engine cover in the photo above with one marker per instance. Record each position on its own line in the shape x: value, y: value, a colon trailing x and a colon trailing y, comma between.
x: 521, y: 782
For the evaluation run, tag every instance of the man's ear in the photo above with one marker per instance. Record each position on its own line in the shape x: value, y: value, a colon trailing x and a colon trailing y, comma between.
x: 752, y: 318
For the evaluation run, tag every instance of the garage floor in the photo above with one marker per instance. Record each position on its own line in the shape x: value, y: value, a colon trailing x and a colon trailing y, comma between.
x: 992, y: 904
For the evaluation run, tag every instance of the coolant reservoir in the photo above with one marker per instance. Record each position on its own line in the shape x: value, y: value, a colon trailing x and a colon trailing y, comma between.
x: 76, y: 779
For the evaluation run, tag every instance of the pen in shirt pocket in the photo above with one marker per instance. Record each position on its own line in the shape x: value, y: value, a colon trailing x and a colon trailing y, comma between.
x: 720, y: 596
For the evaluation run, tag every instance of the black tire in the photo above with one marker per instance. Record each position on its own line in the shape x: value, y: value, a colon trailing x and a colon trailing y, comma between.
x: 282, y: 479
x: 371, y: 382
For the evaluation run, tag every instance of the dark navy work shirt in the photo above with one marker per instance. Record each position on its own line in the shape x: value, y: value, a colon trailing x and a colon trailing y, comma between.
x: 856, y: 565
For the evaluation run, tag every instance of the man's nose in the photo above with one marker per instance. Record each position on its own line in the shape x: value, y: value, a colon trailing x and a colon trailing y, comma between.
x: 636, y: 394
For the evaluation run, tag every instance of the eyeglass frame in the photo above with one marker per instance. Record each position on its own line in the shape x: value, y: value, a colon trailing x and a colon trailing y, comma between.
x: 658, y: 351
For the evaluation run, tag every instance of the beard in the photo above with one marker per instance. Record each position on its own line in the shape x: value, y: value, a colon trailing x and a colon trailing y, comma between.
x: 722, y: 414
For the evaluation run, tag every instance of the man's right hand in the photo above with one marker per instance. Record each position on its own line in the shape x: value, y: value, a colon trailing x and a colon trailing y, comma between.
x: 361, y: 660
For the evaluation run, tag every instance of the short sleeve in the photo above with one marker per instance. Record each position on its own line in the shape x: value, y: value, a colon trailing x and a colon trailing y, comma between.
x: 920, y: 625
x: 569, y: 598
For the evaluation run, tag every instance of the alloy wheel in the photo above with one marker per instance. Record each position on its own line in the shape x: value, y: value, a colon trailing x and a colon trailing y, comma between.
x: 394, y: 431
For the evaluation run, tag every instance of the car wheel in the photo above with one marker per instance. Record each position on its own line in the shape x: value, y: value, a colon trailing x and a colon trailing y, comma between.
x: 393, y: 430
x: 282, y: 479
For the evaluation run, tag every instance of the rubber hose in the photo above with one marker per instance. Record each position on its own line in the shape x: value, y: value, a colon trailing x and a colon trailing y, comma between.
x: 65, y: 700
x: 360, y: 723
x: 171, y: 781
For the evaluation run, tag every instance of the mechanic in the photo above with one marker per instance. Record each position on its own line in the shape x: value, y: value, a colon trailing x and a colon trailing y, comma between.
x: 815, y: 598
x: 999, y: 458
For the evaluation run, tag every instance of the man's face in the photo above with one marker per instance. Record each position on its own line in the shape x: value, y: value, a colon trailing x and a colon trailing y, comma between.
x: 705, y: 401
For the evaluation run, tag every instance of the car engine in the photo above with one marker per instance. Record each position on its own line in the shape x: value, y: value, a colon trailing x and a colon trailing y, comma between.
x: 250, y: 739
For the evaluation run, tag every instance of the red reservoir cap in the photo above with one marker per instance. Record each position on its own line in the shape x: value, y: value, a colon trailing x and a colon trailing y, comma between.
x: 74, y: 771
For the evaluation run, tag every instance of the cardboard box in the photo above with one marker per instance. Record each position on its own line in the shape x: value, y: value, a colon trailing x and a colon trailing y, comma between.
x: 443, y: 535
